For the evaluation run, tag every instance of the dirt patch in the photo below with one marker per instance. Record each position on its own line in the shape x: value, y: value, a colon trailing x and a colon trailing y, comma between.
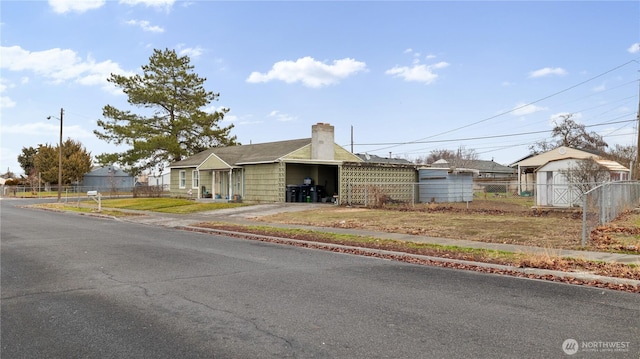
x: 505, y: 221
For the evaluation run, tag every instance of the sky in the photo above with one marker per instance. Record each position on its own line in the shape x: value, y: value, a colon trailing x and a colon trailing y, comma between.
x: 394, y: 78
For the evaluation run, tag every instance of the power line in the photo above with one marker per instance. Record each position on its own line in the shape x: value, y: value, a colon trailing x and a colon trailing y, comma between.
x: 512, y: 110
x: 480, y: 137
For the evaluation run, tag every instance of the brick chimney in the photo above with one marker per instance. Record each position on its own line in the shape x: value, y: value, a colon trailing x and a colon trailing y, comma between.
x: 322, y: 142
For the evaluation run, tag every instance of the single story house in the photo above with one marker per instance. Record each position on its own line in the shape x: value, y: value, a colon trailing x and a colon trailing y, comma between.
x: 483, y: 168
x: 108, y: 179
x: 269, y: 172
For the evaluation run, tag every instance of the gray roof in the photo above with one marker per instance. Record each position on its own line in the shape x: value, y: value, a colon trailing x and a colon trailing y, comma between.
x: 106, y: 171
x: 489, y: 166
x: 237, y: 155
x: 480, y: 165
x: 377, y: 159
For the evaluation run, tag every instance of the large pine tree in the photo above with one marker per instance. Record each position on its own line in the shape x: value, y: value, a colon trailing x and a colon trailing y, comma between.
x: 176, y: 125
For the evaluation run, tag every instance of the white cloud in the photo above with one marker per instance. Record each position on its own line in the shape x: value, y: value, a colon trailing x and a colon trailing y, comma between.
x: 192, y: 52
x: 213, y: 109
x: 65, y: 6
x: 418, y: 72
x: 310, y: 72
x: 282, y: 117
x: 145, y: 25
x: 548, y: 71
x: 160, y: 4
x: 635, y: 48
x: 558, y: 117
x: 522, y: 109
x: 6, y: 102
x: 60, y: 65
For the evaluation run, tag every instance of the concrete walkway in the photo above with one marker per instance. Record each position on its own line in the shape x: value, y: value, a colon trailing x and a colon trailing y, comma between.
x: 248, y: 216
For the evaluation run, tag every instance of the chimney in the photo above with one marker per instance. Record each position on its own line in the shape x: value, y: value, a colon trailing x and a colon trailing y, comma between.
x: 322, y: 142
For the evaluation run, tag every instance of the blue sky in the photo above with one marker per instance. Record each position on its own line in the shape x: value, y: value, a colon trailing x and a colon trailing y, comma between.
x: 407, y: 77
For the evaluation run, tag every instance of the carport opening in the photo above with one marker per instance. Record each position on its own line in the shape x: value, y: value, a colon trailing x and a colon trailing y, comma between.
x: 311, y: 183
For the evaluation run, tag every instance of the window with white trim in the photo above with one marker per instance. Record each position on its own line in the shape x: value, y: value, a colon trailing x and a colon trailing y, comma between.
x: 195, y: 178
x: 183, y: 179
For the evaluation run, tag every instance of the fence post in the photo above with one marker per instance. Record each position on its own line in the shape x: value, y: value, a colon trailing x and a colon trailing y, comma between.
x: 413, y: 195
x: 584, y: 219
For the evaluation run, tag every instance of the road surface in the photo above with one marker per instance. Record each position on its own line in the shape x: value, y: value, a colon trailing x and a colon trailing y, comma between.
x: 85, y: 287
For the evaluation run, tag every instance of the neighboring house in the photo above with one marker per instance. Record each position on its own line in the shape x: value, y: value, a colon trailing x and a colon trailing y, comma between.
x: 365, y: 157
x: 483, y: 168
x: 545, y: 173
x: 163, y: 179
x: 108, y: 179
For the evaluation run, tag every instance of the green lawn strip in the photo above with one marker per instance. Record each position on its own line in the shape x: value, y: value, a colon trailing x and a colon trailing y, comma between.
x: 547, y: 260
x: 83, y: 208
x: 167, y: 205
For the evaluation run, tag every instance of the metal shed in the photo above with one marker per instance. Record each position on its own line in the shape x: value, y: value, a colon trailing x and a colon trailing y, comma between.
x: 441, y: 185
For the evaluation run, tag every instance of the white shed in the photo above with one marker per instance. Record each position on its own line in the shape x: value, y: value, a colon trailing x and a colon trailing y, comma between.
x: 553, y: 188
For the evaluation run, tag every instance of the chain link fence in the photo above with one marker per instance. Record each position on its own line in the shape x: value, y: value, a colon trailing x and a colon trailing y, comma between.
x: 377, y: 194
x: 75, y: 192
x: 606, y: 202
x: 484, y: 188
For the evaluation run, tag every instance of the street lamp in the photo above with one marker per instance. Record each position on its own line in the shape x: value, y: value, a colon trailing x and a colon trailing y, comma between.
x: 59, y: 154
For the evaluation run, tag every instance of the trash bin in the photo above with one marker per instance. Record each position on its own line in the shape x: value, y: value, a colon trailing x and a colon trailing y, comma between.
x: 314, y: 194
x: 292, y: 193
x: 303, y: 193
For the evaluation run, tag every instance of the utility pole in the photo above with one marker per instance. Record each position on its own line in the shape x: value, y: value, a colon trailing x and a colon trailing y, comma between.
x: 60, y: 159
x: 636, y: 170
x: 59, y: 154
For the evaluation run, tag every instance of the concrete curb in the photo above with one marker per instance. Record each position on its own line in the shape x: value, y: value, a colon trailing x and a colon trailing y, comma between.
x: 581, y: 276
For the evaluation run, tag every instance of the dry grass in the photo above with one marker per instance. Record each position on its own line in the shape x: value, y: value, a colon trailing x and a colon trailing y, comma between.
x: 492, y: 221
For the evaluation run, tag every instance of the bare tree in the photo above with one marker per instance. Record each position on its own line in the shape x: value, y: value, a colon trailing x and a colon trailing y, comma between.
x: 459, y: 158
x: 570, y: 133
x: 586, y: 174
x: 622, y: 154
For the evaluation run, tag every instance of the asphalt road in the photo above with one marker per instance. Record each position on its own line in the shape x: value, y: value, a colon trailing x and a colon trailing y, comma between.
x: 84, y: 287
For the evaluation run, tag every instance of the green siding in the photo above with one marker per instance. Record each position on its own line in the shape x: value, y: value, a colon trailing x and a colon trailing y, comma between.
x: 343, y: 155
x: 303, y: 153
x: 213, y: 162
x: 262, y: 183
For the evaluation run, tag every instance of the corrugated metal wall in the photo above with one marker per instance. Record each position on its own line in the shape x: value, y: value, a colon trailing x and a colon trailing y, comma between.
x: 441, y: 186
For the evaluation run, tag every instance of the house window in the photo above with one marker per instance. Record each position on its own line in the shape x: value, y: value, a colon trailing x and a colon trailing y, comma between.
x: 195, y: 179
x: 183, y: 179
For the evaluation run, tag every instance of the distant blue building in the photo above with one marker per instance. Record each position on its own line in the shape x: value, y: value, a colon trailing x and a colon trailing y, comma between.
x: 108, y: 179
